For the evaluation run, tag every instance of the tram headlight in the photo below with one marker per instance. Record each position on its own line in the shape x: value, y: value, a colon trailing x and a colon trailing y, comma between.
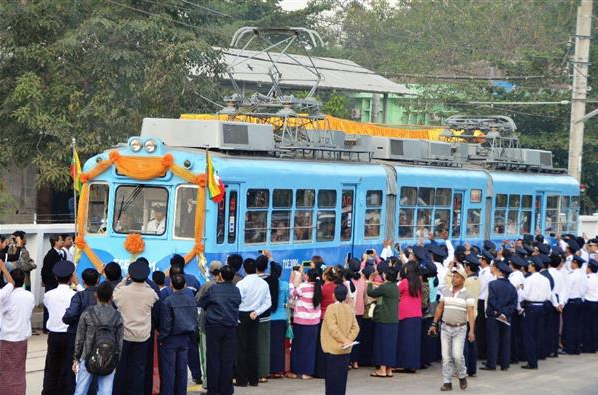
x: 150, y: 146
x: 136, y: 145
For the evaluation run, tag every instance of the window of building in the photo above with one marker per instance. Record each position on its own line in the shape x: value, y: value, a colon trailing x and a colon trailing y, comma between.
x: 346, y: 215
x: 97, y: 209
x: 184, y: 221
x: 473, y: 222
x: 256, y: 217
x: 140, y: 209
x: 305, y: 202
x: 280, y: 222
x: 373, y: 214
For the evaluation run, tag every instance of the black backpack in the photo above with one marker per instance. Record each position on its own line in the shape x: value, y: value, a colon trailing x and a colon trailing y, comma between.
x: 103, y: 356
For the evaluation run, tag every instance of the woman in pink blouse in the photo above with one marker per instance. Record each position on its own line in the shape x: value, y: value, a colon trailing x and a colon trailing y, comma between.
x: 358, y: 281
x: 306, y: 320
x: 410, y: 317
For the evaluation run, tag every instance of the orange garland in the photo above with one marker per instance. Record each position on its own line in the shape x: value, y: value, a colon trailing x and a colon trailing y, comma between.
x: 140, y: 168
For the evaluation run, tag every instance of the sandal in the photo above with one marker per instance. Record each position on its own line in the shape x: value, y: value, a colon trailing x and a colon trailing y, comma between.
x: 377, y: 375
x: 291, y: 375
x: 305, y: 377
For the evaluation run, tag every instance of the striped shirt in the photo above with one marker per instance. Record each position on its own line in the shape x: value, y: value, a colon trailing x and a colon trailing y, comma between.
x: 305, y: 313
x: 455, y: 306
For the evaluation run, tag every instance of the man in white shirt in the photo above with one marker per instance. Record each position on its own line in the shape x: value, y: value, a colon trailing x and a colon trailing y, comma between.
x: 68, y: 247
x: 559, y: 300
x: 158, y: 224
x: 57, y: 301
x: 590, y: 309
x: 536, y: 290
x: 16, y: 307
x: 485, y: 276
x: 255, y: 299
x: 576, y: 289
x: 386, y: 250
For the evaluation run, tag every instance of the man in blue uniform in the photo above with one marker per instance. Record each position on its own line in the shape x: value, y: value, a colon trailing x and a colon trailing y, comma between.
x: 502, y: 304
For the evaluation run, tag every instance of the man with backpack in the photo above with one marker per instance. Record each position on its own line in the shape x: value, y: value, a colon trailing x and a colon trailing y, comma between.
x: 178, y: 323
x: 79, y: 303
x: 98, y: 344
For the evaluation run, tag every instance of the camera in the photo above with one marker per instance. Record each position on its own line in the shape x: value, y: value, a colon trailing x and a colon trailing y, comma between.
x: 369, y: 252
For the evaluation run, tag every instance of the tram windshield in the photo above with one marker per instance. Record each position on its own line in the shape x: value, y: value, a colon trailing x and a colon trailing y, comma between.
x: 140, y: 209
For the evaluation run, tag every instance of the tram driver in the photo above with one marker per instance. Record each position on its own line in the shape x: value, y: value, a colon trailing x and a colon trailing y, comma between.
x: 158, y: 223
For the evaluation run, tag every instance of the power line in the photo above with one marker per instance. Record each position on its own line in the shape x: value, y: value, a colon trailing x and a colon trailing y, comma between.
x: 166, y: 18
x: 206, y: 8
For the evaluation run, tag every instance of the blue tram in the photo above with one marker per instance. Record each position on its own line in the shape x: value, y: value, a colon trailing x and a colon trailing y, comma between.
x: 297, y: 207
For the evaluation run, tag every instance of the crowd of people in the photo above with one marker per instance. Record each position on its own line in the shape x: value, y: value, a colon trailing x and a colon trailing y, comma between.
x: 397, y: 311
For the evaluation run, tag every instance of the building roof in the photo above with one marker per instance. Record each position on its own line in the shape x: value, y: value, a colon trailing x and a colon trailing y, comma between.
x: 341, y: 74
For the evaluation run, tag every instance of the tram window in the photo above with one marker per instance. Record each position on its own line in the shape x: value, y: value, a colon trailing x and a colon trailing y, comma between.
x: 425, y: 197
x: 514, y: 201
x: 232, y: 217
x: 258, y: 198
x: 526, y: 202
x: 303, y: 225
x: 525, y: 222
x: 408, y: 196
x: 538, y: 206
x: 473, y: 222
x: 184, y: 221
x: 551, y: 222
x: 406, y: 223
x: 256, y: 223
x: 326, y: 198
x: 97, y: 212
x: 563, y: 213
x: 326, y: 225
x: 373, y: 214
x: 441, y: 221
x: 501, y: 201
x: 347, y: 215
x: 443, y: 197
x: 499, y: 222
x: 512, y: 222
x: 574, y: 213
x: 424, y: 223
x: 140, y: 209
x: 281, y: 226
x: 220, y: 221
x: 306, y: 198
x: 457, y: 207
x: 282, y: 198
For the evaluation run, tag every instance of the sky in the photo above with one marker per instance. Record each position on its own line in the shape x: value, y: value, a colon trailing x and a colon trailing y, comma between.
x: 291, y: 5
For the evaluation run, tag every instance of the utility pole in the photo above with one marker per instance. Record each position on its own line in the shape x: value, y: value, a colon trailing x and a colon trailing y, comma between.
x: 580, y: 82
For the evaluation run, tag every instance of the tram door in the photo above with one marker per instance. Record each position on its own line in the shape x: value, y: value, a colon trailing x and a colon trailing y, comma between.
x: 347, y: 219
x: 457, y: 220
x: 232, y: 216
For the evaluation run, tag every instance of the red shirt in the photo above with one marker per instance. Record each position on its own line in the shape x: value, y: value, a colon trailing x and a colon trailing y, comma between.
x: 327, y: 296
x: 409, y: 306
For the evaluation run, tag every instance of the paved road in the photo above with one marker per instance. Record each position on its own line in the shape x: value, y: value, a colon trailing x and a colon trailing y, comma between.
x: 564, y: 375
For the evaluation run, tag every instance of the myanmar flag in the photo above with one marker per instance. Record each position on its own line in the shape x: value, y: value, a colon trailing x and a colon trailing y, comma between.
x: 76, y: 171
x: 215, y: 185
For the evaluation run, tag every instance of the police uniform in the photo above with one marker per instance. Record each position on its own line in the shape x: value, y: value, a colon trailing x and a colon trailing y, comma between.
x: 572, y: 327
x: 58, y: 363
x: 480, y: 326
x: 559, y: 300
x: 543, y: 340
x: 536, y: 291
x: 590, y: 310
x: 502, y: 301
x: 516, y: 278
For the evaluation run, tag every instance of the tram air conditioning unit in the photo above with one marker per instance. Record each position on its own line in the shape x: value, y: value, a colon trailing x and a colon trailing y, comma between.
x: 223, y: 135
x: 409, y: 149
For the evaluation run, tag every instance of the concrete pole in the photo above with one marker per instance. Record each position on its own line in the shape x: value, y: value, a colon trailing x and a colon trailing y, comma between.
x: 375, y: 115
x: 580, y: 82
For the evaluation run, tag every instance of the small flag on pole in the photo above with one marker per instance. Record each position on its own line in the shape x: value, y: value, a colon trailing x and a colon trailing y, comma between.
x: 215, y: 185
x: 76, y: 171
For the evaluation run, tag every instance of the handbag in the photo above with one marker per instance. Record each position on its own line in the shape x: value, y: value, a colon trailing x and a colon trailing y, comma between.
x: 289, y: 333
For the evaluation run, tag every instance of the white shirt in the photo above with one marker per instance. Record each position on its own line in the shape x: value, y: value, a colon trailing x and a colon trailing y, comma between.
x: 485, y: 278
x: 592, y: 288
x: 566, y: 269
x: 536, y: 288
x: 155, y: 226
x: 441, y: 272
x: 16, y: 315
x: 576, y: 284
x: 61, y: 252
x: 4, y: 292
x: 560, y: 286
x: 69, y: 255
x: 255, y: 294
x: 386, y: 252
x: 57, y: 301
x: 517, y: 279
x: 586, y: 257
x: 450, y: 250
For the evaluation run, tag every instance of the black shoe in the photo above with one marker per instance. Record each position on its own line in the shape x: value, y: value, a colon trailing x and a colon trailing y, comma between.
x: 526, y: 366
x: 472, y: 375
x: 486, y: 368
x: 504, y: 369
x: 446, y: 387
x: 553, y: 355
x: 240, y: 385
x: 254, y: 384
x: 463, y: 383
